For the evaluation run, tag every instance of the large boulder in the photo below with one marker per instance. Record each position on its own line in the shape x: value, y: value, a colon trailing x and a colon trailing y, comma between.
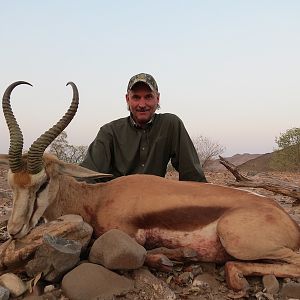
x: 91, y: 281
x: 54, y: 258
x: 117, y: 250
x: 71, y: 227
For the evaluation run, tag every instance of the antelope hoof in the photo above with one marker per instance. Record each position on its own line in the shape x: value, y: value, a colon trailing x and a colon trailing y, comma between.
x: 235, y: 278
x: 159, y: 262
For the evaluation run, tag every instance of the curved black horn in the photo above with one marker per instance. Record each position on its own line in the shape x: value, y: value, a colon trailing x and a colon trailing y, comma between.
x: 35, y: 153
x: 15, y: 133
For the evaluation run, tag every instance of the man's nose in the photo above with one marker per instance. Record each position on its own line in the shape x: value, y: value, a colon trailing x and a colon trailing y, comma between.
x: 142, y: 102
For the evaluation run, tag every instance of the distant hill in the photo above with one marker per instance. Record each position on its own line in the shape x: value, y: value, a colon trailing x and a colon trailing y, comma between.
x: 237, y: 159
x: 280, y: 160
x: 258, y: 164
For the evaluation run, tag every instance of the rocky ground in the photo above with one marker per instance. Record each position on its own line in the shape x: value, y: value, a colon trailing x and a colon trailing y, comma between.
x: 196, y: 281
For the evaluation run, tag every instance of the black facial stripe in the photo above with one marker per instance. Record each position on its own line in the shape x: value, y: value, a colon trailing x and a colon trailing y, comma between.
x: 42, y: 187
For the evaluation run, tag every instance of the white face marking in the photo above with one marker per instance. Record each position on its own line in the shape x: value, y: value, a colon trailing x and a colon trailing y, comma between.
x: 29, y: 201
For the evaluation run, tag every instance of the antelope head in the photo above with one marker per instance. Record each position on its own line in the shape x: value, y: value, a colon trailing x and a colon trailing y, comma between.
x: 32, y: 175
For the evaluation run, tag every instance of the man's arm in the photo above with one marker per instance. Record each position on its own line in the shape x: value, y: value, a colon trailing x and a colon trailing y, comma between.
x: 185, y: 159
x: 98, y: 157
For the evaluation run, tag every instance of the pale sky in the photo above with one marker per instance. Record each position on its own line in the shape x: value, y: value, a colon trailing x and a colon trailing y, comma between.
x: 229, y: 69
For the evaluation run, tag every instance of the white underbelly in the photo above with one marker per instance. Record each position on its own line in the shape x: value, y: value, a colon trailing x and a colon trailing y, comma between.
x: 204, y: 241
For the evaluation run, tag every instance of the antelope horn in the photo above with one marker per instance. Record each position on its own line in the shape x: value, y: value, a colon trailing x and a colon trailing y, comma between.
x: 35, y: 153
x: 15, y: 133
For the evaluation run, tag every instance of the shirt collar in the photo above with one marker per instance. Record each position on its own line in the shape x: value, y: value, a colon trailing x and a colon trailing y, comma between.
x: 147, y: 125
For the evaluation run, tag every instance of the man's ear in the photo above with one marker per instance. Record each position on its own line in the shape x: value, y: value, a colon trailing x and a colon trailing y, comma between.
x: 4, y: 159
x: 158, y: 97
x: 127, y: 101
x: 79, y: 172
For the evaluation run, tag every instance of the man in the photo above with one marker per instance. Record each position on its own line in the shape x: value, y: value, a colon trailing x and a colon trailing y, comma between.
x: 144, y: 142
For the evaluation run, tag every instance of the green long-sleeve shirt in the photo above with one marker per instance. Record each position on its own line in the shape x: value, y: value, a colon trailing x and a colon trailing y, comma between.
x: 122, y: 148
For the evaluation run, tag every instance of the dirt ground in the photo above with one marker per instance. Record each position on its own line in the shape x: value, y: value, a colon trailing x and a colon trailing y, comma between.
x: 210, y: 277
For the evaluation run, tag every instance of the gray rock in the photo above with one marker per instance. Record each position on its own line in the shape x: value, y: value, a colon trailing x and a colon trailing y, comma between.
x: 291, y: 290
x: 54, y: 258
x: 271, y: 284
x: 117, y: 250
x: 91, y: 281
x: 4, y: 293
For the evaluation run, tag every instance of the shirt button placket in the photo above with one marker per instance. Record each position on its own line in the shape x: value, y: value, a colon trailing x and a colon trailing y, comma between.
x: 143, y: 147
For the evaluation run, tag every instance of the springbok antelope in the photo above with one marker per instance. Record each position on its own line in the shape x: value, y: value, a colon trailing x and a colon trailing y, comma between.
x: 220, y: 224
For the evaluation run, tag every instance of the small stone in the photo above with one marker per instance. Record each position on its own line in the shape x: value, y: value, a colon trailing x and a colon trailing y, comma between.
x: 184, y: 278
x: 13, y: 283
x: 4, y: 293
x: 264, y: 296
x: 287, y: 280
x: 195, y: 269
x: 201, y: 284
x: 291, y: 290
x: 271, y: 284
x: 206, y: 282
x: 49, y: 288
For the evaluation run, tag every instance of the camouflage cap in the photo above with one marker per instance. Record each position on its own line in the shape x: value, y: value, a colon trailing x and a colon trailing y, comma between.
x: 143, y: 77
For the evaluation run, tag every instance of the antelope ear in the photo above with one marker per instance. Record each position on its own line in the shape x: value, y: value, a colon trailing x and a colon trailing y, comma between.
x: 4, y: 159
x: 80, y: 172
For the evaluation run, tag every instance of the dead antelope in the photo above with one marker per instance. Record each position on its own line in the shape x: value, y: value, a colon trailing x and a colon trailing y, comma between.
x: 219, y: 223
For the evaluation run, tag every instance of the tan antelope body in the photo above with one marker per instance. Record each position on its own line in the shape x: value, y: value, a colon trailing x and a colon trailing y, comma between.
x: 220, y: 223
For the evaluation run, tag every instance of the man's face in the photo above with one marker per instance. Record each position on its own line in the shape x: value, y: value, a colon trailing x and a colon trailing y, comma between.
x: 142, y: 103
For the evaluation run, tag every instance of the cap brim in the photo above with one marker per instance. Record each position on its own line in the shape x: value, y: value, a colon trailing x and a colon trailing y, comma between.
x: 144, y: 81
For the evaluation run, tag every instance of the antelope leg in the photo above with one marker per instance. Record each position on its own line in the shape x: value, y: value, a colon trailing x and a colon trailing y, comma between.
x: 179, y: 254
x: 161, y: 258
x: 235, y: 272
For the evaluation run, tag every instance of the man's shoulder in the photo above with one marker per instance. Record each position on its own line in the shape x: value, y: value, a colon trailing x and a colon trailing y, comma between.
x: 168, y: 117
x: 113, y: 126
x: 116, y: 123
